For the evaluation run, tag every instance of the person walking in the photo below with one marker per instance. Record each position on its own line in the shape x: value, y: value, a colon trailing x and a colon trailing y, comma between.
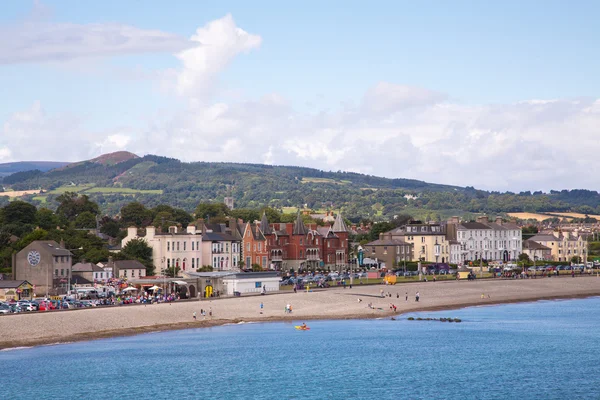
x: 406, y: 294
x: 417, y: 296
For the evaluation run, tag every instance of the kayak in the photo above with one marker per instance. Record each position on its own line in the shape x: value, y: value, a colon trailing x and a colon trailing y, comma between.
x: 301, y: 328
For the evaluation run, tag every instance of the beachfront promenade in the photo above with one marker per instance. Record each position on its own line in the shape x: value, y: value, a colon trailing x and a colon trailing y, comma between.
x: 334, y: 303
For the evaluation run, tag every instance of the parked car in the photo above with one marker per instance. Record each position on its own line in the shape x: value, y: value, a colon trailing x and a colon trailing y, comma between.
x: 5, y: 309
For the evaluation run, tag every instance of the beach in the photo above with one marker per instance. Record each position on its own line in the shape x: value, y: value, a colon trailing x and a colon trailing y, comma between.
x: 29, y: 329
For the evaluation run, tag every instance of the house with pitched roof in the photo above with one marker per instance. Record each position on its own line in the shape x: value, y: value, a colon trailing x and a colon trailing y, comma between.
x: 254, y: 244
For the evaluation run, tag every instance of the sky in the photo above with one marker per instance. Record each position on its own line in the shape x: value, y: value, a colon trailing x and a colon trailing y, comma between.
x: 496, y: 95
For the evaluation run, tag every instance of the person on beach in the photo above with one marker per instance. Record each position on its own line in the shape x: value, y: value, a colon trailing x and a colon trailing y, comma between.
x: 397, y: 295
x: 194, y: 315
x: 417, y: 296
x: 210, y: 312
x: 406, y: 294
x: 381, y: 292
x: 261, y: 307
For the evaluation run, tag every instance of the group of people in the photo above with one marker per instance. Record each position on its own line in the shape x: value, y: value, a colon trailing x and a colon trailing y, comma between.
x: 202, y: 313
x: 288, y: 309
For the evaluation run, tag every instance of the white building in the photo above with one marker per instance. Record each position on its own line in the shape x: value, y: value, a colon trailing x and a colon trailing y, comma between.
x: 173, y: 248
x: 251, y: 282
x: 490, y: 241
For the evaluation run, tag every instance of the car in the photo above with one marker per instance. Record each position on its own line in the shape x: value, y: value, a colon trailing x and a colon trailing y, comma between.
x: 5, y: 309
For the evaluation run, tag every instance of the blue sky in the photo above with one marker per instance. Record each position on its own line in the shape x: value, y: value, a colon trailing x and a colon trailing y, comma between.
x: 455, y: 77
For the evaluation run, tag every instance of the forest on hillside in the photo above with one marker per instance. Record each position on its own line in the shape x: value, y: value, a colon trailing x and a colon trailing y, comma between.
x: 154, y: 180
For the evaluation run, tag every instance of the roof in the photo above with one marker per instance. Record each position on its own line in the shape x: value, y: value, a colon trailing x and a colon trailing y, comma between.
x: 473, y: 225
x: 129, y: 264
x: 388, y: 242
x: 253, y: 275
x: 6, y: 284
x: 86, y: 267
x: 52, y: 247
x: 78, y: 280
x: 533, y: 245
x: 339, y: 225
x: 299, y: 228
x: 220, y: 237
x: 544, y: 238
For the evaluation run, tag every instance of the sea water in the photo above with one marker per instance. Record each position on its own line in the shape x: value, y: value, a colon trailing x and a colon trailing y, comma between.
x: 540, y: 350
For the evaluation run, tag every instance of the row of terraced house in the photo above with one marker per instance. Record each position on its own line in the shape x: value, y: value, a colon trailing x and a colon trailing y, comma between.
x: 237, y: 245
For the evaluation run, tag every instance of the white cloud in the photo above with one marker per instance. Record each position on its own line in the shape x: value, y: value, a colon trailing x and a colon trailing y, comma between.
x: 394, y: 131
x: 38, y: 39
x: 215, y: 45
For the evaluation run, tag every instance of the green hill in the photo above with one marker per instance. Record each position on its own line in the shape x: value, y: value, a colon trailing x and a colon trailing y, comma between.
x: 157, y: 180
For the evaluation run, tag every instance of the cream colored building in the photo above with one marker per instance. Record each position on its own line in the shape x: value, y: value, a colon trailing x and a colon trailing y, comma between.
x: 563, y: 245
x: 429, y: 242
x: 181, y: 249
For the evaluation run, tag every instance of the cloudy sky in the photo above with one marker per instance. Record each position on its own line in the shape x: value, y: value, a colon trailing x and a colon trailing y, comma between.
x: 496, y: 95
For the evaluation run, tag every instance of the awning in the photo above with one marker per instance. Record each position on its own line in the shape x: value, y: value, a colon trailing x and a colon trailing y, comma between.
x: 180, y: 282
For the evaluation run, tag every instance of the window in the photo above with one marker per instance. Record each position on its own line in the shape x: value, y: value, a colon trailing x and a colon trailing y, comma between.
x: 62, y: 271
x: 254, y: 246
x: 259, y: 246
x: 248, y: 246
x: 300, y: 253
x: 133, y: 273
x: 257, y: 285
x: 198, y: 262
x: 168, y: 246
x: 423, y: 239
x: 177, y: 246
x: 264, y: 261
x: 56, y: 272
x: 192, y: 246
x: 125, y: 273
x: 168, y: 263
x: 248, y: 261
x: 193, y: 264
x: 184, y: 245
x: 257, y: 259
x: 317, y: 242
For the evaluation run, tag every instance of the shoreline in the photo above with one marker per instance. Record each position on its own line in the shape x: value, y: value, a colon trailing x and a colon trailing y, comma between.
x: 138, y: 330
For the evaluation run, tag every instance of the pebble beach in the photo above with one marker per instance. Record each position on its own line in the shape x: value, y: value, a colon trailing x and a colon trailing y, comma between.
x: 29, y: 329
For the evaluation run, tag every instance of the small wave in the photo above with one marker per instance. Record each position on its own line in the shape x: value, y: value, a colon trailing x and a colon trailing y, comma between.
x: 17, y: 348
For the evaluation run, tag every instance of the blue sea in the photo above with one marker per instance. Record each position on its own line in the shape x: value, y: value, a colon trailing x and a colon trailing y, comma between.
x: 541, y: 350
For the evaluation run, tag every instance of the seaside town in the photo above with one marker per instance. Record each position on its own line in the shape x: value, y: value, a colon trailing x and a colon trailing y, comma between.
x: 236, y: 258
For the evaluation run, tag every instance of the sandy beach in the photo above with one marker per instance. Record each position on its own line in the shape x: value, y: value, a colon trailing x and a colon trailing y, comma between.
x: 87, y: 324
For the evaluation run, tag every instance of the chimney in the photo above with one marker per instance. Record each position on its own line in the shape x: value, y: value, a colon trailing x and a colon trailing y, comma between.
x: 191, y: 229
x: 454, y: 220
x: 150, y: 232
x: 132, y: 231
x: 62, y: 244
x: 499, y: 220
x: 173, y: 229
x: 381, y: 236
x: 482, y: 219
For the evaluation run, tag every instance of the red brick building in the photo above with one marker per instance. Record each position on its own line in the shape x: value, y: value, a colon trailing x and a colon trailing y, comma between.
x: 299, y: 246
x: 254, y: 246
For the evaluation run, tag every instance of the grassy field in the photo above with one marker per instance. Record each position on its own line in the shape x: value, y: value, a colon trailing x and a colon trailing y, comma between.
x: 575, y: 215
x: 122, y: 190
x: 76, y: 189
x: 324, y: 180
x: 289, y: 210
x: 526, y: 215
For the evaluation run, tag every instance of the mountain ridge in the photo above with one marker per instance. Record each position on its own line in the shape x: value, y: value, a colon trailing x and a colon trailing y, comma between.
x: 115, y: 179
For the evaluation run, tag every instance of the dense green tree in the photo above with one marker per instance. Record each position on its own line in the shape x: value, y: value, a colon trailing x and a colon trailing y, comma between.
x: 46, y: 219
x: 19, y: 212
x: 272, y: 214
x: 246, y: 214
x: 72, y: 204
x: 85, y: 220
x: 138, y: 249
x: 110, y: 227
x: 172, y: 271
x: 136, y: 214
x: 212, y: 210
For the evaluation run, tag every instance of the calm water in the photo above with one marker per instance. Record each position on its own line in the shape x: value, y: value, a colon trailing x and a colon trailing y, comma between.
x: 543, y: 350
